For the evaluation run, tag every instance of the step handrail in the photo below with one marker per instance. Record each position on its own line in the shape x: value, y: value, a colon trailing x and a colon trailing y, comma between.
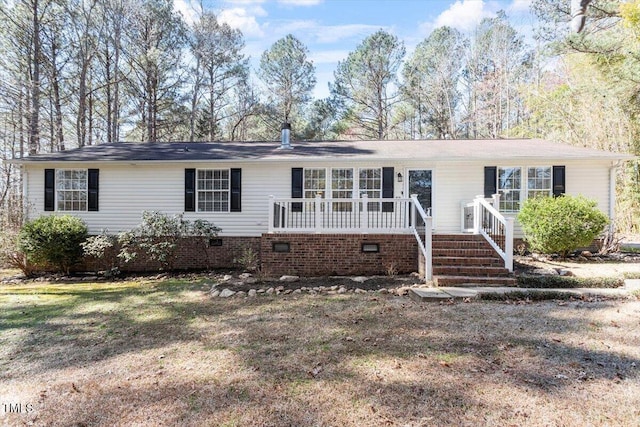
x: 426, y: 244
x: 495, y: 228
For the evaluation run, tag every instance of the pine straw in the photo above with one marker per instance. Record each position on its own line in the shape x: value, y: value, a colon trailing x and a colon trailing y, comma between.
x: 164, y: 353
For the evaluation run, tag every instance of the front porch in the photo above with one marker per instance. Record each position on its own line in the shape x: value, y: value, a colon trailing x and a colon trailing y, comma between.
x: 361, y: 218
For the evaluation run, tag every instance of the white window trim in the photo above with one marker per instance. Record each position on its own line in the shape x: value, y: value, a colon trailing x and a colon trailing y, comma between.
x: 524, y: 182
x: 228, y: 191
x: 535, y: 189
x: 327, y: 192
x: 327, y: 186
x: 86, y: 171
x: 360, y: 190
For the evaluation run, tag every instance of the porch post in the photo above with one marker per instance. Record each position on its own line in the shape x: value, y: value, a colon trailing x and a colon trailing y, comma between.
x: 272, y: 204
x: 477, y: 208
x: 318, y: 214
x: 428, y: 259
x: 365, y: 213
x: 496, y: 201
x: 414, y: 210
x: 508, y: 245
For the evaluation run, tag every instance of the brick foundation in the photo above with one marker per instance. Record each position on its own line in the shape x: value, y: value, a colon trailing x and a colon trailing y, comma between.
x: 192, y: 254
x: 308, y: 255
x: 338, y: 254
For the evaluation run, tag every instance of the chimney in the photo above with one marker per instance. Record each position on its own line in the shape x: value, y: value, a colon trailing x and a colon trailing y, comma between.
x: 285, y: 143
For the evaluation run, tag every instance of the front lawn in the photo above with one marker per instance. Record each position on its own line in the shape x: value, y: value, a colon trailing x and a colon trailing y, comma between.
x: 163, y: 352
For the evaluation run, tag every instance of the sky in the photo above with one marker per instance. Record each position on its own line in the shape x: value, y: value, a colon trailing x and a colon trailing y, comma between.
x: 333, y: 28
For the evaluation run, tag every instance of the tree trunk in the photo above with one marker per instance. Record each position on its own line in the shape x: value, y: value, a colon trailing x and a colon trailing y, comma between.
x: 34, y: 125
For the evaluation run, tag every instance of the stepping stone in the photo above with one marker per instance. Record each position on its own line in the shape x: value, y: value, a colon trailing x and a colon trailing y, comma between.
x: 460, y: 293
x: 428, y: 295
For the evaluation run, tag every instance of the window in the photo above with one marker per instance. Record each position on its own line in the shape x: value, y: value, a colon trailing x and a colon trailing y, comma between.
x: 370, y: 183
x: 538, y: 182
x: 509, y: 186
x: 314, y: 183
x: 213, y: 190
x: 71, y: 189
x: 342, y: 188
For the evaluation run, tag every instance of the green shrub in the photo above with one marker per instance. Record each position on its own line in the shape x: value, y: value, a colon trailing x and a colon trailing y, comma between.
x: 560, y: 224
x: 158, y: 235
x: 53, y: 241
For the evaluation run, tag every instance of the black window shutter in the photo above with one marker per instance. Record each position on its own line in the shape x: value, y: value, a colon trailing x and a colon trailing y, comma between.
x: 387, y: 188
x: 236, y: 190
x: 49, y: 189
x: 297, y: 176
x: 189, y: 190
x: 93, y: 185
x: 490, y: 181
x: 558, y: 181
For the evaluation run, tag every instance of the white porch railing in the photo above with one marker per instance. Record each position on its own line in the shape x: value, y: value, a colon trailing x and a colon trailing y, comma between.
x: 363, y: 215
x: 483, y: 217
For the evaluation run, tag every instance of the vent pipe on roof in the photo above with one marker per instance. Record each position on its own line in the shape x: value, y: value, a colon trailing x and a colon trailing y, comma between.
x: 285, y: 142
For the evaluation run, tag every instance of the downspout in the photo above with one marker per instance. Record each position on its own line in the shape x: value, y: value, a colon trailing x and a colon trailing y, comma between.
x: 25, y: 193
x: 612, y: 193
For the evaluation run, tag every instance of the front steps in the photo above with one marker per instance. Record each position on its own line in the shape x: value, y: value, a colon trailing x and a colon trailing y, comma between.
x: 467, y: 260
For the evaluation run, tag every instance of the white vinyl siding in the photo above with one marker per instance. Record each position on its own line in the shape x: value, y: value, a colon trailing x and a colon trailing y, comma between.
x: 71, y: 190
x: 126, y: 190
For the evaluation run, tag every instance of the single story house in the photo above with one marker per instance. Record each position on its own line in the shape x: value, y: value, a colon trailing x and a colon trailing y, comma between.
x: 300, y: 206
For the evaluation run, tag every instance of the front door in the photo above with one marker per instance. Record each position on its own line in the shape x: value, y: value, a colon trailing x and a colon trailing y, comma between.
x: 421, y: 183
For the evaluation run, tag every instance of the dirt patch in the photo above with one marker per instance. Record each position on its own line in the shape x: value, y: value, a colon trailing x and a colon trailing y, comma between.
x: 580, y: 266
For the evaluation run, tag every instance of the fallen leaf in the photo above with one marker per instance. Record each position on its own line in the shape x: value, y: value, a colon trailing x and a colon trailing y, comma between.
x: 316, y: 370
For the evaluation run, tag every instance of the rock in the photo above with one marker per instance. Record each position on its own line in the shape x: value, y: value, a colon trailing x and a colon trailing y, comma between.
x: 342, y: 290
x: 334, y: 288
x: 383, y: 291
x: 360, y: 279
x: 241, y: 294
x: 289, y: 278
x: 250, y: 280
x: 402, y: 291
x: 586, y: 254
x: 226, y: 278
x: 226, y: 293
x: 245, y: 276
x: 252, y: 293
x: 360, y: 291
x: 297, y: 291
x: 545, y: 272
x: 287, y: 292
x: 261, y: 291
x: 215, y: 293
x: 280, y: 289
x: 564, y: 272
x: 270, y: 291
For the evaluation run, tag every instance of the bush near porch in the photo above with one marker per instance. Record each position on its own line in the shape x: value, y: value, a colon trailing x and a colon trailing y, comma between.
x: 560, y: 224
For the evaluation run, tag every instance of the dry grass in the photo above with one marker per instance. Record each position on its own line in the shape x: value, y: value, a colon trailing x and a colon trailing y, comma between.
x: 164, y: 353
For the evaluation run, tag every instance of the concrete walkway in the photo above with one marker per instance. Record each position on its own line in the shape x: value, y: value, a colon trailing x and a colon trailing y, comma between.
x: 448, y: 293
